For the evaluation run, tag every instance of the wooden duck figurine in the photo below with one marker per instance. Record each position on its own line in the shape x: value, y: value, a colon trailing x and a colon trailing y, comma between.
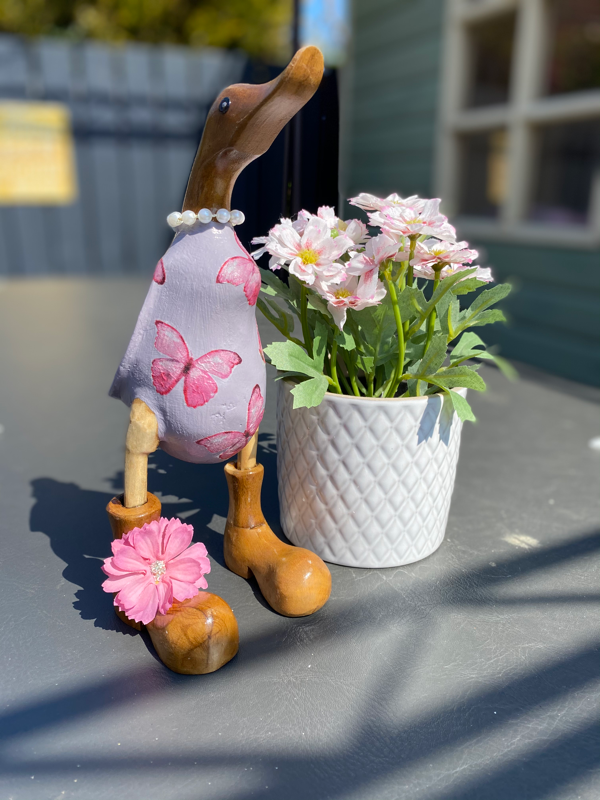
x: 194, y: 377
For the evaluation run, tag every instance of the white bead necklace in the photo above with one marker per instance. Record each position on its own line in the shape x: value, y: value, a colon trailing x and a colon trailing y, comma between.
x: 205, y: 215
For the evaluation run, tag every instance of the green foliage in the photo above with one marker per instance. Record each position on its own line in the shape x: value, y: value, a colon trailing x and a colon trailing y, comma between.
x: 260, y: 27
x: 407, y: 344
x: 437, y: 344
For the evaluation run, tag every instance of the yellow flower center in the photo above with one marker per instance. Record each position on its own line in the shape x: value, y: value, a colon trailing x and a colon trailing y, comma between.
x: 308, y: 256
x: 341, y: 293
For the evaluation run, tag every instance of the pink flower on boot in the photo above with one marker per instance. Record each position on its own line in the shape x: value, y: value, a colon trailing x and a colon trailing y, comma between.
x: 153, y: 566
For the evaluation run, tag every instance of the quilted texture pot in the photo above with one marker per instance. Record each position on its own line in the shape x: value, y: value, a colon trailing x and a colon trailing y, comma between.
x: 366, y: 482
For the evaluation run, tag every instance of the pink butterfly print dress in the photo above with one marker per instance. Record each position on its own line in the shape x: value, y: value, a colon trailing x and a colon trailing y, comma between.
x: 195, y: 357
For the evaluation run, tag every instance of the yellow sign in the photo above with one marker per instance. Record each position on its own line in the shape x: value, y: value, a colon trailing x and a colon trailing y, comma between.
x: 37, y: 161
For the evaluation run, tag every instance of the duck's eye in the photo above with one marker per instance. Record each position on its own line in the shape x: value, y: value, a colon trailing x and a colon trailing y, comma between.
x: 224, y: 105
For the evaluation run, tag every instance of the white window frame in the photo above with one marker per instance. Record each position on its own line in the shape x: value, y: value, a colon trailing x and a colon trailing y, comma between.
x: 526, y: 109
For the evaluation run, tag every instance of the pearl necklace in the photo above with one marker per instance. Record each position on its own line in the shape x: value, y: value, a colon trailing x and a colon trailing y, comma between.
x: 205, y: 215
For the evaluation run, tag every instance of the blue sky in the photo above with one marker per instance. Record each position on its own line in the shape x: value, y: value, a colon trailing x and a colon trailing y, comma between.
x: 325, y: 23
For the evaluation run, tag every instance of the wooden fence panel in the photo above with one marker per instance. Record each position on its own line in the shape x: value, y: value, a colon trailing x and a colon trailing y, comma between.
x: 137, y: 115
x: 65, y: 233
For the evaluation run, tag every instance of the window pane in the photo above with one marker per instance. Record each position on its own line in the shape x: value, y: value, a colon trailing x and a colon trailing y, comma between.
x: 567, y: 157
x: 483, y: 173
x: 574, y: 55
x: 491, y: 47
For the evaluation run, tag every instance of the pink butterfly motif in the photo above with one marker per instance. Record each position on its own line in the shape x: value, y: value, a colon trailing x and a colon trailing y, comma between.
x: 242, y: 270
x: 198, y: 386
x: 160, y: 275
x: 229, y: 443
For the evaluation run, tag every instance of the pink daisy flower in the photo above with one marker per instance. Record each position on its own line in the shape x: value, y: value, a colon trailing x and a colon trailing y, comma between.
x: 377, y: 250
x: 353, y: 292
x: 308, y: 255
x: 369, y: 202
x: 420, y: 218
x: 153, y: 566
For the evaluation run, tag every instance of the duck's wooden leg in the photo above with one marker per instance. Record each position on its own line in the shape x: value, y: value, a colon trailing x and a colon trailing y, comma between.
x: 196, y: 636
x: 294, y: 581
x: 137, y: 505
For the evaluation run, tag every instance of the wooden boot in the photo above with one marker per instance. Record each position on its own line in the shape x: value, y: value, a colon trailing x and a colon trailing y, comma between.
x: 195, y: 636
x: 294, y: 581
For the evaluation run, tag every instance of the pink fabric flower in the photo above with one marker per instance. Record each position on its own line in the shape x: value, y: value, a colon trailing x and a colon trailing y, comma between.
x: 308, y: 255
x: 369, y: 202
x: 152, y: 566
x: 436, y: 251
x: 426, y: 271
x: 354, y: 292
x: 455, y: 256
x: 377, y: 250
x: 423, y: 217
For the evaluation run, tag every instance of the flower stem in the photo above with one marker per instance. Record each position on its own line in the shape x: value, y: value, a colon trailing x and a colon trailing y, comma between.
x: 344, y: 380
x: 370, y: 377
x: 333, y: 366
x: 398, y: 318
x: 413, y: 243
x: 352, y: 374
x: 304, y: 320
x: 432, y: 316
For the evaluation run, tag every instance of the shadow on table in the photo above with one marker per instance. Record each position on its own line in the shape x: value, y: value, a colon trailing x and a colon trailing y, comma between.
x: 81, y: 538
x: 378, y: 748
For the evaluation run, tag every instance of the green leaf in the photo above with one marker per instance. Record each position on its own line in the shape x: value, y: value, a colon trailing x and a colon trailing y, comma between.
x: 433, y: 358
x: 461, y: 376
x: 310, y: 393
x: 468, y: 285
x: 441, y: 310
x: 290, y: 357
x: 449, y: 317
x: 316, y: 302
x: 411, y: 302
x: 377, y: 326
x: 366, y: 363
x: 320, y: 343
x: 467, y: 342
x: 462, y: 407
x: 445, y: 285
x: 275, y: 284
x: 490, y: 296
x: 283, y: 321
x: 505, y: 367
x: 414, y: 349
x: 345, y: 340
x: 485, y: 318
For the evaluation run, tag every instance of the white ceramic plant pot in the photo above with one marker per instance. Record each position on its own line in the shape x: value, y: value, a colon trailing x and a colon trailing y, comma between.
x: 366, y: 482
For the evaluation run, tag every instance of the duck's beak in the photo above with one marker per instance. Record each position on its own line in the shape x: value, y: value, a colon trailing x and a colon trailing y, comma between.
x: 270, y: 106
x: 242, y: 124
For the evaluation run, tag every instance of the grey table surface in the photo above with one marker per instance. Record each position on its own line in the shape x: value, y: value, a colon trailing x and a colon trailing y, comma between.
x: 472, y: 675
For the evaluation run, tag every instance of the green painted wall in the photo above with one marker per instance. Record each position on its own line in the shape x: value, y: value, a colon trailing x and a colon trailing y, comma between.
x: 554, y: 309
x: 396, y: 55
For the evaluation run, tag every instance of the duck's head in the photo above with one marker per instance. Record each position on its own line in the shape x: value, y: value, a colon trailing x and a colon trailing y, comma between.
x: 242, y: 124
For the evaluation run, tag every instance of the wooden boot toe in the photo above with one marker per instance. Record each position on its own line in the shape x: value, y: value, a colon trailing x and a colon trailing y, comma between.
x: 196, y: 636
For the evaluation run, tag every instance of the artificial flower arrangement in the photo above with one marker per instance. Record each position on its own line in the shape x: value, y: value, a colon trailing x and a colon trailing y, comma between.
x: 380, y: 316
